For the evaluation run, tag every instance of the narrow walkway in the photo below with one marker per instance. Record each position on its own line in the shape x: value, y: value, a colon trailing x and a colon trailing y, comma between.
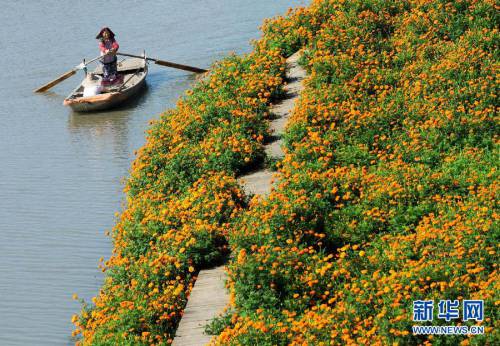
x: 209, y: 297
x: 260, y: 182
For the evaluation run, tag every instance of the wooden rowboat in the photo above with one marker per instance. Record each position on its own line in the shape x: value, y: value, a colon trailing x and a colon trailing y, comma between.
x: 132, y: 71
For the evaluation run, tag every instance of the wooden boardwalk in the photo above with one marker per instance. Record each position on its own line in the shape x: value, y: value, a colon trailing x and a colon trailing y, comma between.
x: 260, y: 182
x: 209, y: 297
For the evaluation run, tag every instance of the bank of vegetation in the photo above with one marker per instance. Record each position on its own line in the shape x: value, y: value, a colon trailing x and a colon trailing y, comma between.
x: 388, y: 190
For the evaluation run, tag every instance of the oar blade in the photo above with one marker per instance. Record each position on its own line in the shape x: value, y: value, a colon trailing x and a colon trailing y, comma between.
x: 179, y: 66
x: 55, y: 81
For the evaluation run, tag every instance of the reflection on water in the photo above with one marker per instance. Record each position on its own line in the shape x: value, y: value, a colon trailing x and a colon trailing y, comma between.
x: 109, y: 132
x: 60, y: 171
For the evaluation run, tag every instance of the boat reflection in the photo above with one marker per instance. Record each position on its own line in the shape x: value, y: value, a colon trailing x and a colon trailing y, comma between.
x: 107, y: 133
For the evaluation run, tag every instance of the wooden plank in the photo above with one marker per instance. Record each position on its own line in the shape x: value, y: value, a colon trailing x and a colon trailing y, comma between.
x: 257, y: 183
x: 208, y: 299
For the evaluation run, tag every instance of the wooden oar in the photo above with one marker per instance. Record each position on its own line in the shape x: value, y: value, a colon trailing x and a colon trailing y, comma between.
x: 63, y: 77
x: 167, y: 63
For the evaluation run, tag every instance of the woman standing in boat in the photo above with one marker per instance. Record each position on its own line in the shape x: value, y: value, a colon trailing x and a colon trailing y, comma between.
x: 108, y: 47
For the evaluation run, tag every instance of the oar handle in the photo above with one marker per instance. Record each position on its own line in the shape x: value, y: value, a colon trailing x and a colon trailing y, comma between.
x: 88, y: 62
x: 167, y: 63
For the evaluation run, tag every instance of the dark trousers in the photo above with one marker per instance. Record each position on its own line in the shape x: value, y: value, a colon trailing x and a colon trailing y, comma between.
x: 109, y: 70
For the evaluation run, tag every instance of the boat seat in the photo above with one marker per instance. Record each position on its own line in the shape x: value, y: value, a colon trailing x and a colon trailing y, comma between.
x: 124, y: 65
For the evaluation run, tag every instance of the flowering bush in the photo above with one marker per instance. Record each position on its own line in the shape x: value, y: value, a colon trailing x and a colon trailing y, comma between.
x: 388, y: 187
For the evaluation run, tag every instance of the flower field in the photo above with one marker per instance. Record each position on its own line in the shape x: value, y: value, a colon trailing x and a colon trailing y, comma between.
x: 389, y: 186
x: 388, y: 190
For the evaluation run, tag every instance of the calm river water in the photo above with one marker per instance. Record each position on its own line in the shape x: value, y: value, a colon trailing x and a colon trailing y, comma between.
x: 60, y: 172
